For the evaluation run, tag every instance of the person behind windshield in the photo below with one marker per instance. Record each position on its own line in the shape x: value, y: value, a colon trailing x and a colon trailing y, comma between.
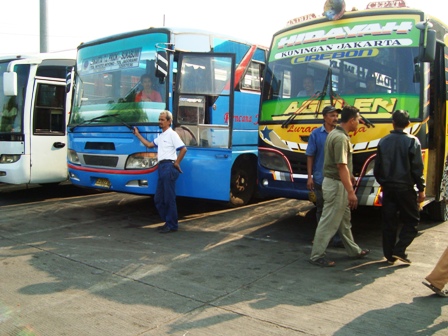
x: 147, y: 94
x: 8, y: 116
x: 308, y: 87
x: 371, y: 85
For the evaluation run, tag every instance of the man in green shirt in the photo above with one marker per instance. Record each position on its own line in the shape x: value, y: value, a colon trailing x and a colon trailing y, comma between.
x: 338, y: 191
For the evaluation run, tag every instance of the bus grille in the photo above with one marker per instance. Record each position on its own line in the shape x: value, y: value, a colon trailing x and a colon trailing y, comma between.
x: 104, y: 161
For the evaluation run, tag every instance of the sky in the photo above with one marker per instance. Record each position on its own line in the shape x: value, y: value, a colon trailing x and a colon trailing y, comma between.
x: 70, y: 23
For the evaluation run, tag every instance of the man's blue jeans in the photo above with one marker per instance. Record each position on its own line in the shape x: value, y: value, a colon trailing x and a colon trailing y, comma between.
x: 165, y: 196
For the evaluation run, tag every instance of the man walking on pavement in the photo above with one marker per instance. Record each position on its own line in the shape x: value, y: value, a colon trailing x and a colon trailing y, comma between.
x: 338, y: 192
x: 315, y: 161
x: 167, y: 144
x: 398, y: 169
x: 438, y: 278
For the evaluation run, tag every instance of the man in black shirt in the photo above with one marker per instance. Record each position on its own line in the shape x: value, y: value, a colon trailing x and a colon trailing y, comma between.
x: 398, y: 169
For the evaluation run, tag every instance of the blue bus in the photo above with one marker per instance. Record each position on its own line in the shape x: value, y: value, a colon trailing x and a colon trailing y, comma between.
x: 210, y: 82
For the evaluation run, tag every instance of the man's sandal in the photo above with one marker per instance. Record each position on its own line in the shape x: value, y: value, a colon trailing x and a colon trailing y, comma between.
x: 442, y: 293
x: 322, y: 262
x: 363, y: 253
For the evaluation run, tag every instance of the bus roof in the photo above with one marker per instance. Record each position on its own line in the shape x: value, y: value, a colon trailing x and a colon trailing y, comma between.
x: 65, y: 54
x: 354, y: 13
x: 166, y: 30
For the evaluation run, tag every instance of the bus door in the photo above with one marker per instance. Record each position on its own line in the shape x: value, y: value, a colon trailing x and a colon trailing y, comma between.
x: 203, y: 117
x: 48, y: 142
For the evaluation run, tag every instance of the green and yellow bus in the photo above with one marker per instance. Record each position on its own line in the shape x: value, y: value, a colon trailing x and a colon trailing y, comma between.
x: 380, y: 59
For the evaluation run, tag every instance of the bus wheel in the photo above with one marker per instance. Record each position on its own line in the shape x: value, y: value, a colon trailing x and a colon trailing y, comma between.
x: 243, y: 180
x: 438, y: 211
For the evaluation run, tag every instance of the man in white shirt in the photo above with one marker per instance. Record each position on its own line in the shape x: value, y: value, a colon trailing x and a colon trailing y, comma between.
x: 167, y: 143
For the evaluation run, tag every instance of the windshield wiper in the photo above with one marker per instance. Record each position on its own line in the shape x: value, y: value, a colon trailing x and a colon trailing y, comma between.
x: 116, y: 116
x: 366, y: 121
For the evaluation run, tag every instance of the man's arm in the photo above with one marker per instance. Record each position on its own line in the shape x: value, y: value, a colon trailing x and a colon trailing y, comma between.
x: 417, y: 170
x: 345, y: 176
x: 142, y: 139
x: 180, y: 156
x: 309, y: 168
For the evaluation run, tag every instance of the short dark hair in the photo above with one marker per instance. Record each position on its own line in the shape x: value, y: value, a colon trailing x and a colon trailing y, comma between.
x: 144, y: 76
x: 329, y: 108
x: 400, y: 118
x: 348, y: 112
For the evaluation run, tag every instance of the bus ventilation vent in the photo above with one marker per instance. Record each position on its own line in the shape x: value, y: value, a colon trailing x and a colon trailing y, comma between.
x: 100, y: 145
x: 103, y: 161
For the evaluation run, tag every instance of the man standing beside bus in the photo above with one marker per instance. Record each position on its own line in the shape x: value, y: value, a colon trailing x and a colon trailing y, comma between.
x: 167, y: 144
x: 315, y: 161
x: 339, y: 195
x: 398, y: 169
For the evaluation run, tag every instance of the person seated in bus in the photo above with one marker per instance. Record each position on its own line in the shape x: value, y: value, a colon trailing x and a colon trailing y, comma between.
x: 148, y: 94
x: 371, y: 85
x: 9, y: 115
x: 308, y: 87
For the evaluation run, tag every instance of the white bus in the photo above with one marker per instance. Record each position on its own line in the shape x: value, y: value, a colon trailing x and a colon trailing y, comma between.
x: 33, y: 117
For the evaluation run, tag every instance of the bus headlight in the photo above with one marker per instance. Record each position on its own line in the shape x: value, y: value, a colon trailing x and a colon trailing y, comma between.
x: 9, y: 158
x: 72, y: 157
x: 273, y: 160
x: 141, y: 161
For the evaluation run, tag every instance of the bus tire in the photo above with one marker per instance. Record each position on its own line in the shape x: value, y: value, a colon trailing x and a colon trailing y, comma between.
x: 243, y: 181
x: 437, y: 211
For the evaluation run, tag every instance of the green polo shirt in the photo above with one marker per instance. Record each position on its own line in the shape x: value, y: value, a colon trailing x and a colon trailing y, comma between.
x: 338, y: 149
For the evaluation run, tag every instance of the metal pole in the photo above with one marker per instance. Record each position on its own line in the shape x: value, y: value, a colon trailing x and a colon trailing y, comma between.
x: 43, y: 26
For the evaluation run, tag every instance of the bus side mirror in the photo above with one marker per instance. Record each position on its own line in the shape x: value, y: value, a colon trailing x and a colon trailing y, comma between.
x: 429, y: 52
x: 416, y: 75
x: 161, y: 65
x: 427, y: 49
x: 10, y: 84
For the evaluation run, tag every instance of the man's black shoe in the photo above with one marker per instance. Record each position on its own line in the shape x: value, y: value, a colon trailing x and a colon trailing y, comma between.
x: 391, y: 260
x: 403, y: 258
x: 167, y: 230
x: 162, y: 227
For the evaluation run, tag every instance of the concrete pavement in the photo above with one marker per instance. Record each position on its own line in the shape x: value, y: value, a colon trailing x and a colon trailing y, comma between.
x: 95, y: 265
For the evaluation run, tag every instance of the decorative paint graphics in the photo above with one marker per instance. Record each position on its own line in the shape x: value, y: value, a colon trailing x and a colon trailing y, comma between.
x: 378, y: 105
x: 242, y: 119
x: 113, y: 61
x: 275, y: 135
x: 340, y: 54
x: 363, y: 38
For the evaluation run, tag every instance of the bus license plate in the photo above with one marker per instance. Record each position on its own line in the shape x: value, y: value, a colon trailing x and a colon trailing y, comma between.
x: 102, y: 182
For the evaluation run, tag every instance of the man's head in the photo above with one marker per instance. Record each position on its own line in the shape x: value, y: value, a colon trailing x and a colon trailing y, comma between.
x: 330, y: 114
x: 165, y: 119
x: 308, y: 83
x: 350, y: 117
x: 146, y: 81
x: 400, y: 119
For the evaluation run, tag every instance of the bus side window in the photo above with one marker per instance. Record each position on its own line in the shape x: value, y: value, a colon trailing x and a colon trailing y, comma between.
x: 49, y: 114
x: 252, y: 78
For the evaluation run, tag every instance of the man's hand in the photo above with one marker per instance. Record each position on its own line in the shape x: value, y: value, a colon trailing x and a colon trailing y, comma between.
x: 177, y: 166
x: 421, y: 196
x: 352, y: 200
x: 310, y: 183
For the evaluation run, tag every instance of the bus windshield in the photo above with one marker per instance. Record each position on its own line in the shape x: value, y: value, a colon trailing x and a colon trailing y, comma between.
x: 11, y: 113
x: 118, y: 78
x: 370, y: 63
